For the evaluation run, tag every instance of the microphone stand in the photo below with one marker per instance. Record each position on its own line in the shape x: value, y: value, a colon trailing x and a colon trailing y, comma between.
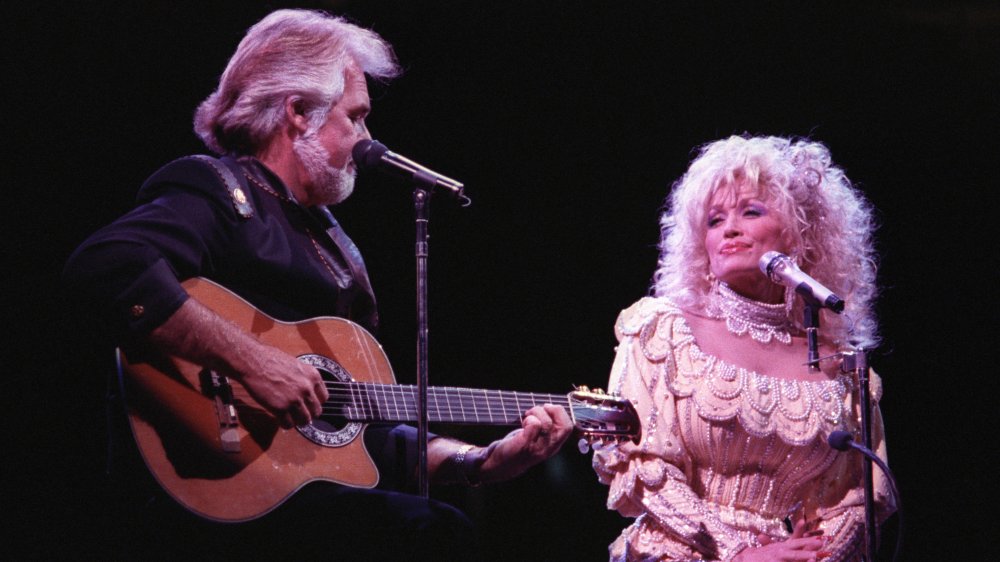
x: 373, y: 154
x: 422, y: 211
x: 810, y: 320
x: 858, y: 363
x: 421, y: 205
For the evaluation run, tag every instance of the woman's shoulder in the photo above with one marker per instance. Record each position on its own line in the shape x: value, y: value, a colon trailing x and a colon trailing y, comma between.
x: 646, y: 313
x: 646, y: 308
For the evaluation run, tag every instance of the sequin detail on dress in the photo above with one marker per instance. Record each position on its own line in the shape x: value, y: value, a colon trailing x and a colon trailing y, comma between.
x: 797, y: 411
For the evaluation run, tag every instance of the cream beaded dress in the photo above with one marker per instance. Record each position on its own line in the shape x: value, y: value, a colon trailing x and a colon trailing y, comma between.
x: 726, y: 453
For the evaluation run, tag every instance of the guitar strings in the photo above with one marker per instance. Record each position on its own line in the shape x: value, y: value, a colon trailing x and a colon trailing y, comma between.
x: 444, y: 403
x: 392, y: 402
x: 373, y: 395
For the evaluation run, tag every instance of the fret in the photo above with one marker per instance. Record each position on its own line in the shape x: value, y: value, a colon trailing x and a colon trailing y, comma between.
x: 437, y: 406
x: 395, y: 402
x: 362, y: 402
x: 398, y: 395
x: 389, y: 408
x: 433, y: 406
x: 475, y: 411
x: 378, y: 408
x: 359, y: 403
x: 386, y: 403
x: 486, y: 396
x: 455, y: 410
x: 451, y: 413
x: 370, y: 394
x: 411, y: 396
x: 384, y: 399
x: 372, y: 398
x: 504, y: 406
x: 399, y: 404
x: 408, y: 401
x: 461, y: 404
x: 351, y: 409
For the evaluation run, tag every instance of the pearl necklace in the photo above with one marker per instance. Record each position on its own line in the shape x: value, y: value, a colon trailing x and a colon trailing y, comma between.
x: 763, y: 321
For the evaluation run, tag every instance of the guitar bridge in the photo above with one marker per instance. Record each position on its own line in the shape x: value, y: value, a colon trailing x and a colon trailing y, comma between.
x: 221, y: 392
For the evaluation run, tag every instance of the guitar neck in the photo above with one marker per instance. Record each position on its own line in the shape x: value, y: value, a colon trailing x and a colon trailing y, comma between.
x: 371, y: 402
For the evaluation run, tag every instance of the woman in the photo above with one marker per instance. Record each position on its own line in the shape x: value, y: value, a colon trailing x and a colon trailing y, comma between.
x: 733, y: 462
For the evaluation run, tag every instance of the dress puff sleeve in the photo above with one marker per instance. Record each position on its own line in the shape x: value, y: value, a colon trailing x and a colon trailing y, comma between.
x: 650, y: 480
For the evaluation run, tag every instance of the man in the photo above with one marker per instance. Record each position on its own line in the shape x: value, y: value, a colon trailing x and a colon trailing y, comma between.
x: 289, y: 108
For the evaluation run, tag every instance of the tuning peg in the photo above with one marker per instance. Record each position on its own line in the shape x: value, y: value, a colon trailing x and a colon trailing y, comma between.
x: 583, y: 446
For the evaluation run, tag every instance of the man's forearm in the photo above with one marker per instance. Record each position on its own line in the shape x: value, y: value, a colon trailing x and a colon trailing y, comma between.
x: 199, y: 335
x: 288, y: 388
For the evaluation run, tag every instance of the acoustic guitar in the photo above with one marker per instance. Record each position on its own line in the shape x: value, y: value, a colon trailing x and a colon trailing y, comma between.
x: 221, y: 455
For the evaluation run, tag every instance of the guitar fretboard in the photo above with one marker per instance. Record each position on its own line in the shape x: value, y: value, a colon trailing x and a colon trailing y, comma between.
x: 370, y: 402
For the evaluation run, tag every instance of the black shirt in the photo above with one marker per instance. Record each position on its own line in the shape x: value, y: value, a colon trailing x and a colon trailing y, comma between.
x: 291, y: 262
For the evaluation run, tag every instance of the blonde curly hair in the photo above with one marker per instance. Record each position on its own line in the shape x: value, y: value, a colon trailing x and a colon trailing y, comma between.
x: 828, y: 221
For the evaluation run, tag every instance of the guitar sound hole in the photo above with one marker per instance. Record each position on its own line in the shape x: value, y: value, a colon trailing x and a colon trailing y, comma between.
x: 333, y: 428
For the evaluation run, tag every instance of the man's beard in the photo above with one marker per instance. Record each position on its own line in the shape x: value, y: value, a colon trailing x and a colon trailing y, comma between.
x: 330, y: 185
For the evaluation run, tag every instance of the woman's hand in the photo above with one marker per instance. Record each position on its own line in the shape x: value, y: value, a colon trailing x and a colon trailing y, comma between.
x: 802, y: 545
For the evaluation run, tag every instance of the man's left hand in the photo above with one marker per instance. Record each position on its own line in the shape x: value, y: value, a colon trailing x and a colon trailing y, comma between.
x: 543, y: 431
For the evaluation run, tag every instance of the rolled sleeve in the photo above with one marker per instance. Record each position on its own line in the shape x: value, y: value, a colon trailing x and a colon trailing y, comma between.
x: 127, y: 275
x: 152, y: 298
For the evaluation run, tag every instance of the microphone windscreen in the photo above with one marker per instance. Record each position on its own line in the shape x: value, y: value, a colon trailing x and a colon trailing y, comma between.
x: 840, y: 440
x: 368, y: 153
x: 768, y: 261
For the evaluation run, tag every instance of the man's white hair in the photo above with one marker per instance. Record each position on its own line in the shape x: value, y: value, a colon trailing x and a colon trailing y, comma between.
x: 289, y: 53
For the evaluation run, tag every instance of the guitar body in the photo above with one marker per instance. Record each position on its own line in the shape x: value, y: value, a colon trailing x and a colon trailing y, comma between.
x: 225, y: 458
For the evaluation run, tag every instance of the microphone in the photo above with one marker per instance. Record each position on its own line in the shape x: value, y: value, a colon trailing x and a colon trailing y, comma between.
x: 371, y: 154
x: 842, y: 441
x: 780, y: 269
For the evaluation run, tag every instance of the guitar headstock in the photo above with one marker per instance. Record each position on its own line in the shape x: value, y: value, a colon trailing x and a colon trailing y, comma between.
x: 603, y: 417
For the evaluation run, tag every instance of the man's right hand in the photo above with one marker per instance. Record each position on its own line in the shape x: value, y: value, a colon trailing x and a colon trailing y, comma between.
x: 289, y: 389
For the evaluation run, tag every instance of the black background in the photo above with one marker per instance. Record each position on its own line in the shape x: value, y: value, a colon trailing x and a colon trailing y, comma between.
x: 568, y: 122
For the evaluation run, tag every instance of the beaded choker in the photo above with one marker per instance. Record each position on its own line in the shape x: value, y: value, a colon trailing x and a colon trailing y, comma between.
x: 763, y: 321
